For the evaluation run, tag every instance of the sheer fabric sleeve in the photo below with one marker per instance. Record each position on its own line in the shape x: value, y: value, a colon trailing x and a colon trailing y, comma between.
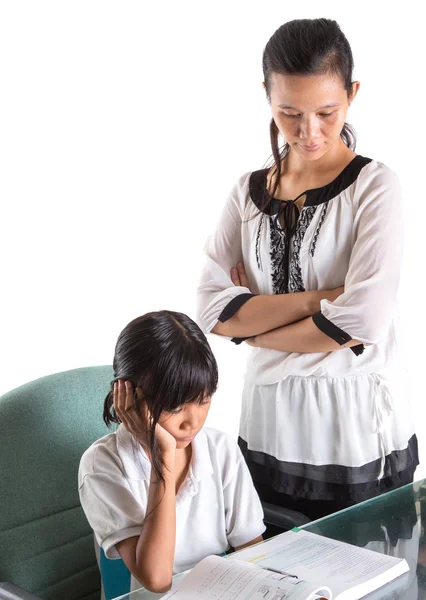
x: 218, y: 299
x: 365, y: 310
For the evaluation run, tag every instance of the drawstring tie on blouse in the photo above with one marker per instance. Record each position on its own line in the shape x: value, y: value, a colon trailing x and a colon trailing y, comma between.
x: 290, y: 214
x: 383, y: 408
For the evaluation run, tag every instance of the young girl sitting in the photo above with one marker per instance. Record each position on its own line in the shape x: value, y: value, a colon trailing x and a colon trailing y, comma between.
x: 162, y: 492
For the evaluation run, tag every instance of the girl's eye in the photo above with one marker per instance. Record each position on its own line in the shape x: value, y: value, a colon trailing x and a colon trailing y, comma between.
x: 326, y: 114
x: 204, y: 402
x: 292, y: 116
x: 174, y: 412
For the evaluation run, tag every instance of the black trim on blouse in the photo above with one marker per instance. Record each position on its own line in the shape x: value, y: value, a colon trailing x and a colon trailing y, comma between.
x: 315, y: 196
x: 334, y: 332
x: 289, y: 210
x: 238, y: 341
x: 234, y: 306
x: 274, y: 206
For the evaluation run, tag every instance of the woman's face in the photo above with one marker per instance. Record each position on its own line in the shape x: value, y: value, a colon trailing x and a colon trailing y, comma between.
x: 185, y: 422
x: 310, y: 111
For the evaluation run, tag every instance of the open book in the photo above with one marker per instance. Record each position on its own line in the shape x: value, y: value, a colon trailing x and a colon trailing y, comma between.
x: 296, y: 565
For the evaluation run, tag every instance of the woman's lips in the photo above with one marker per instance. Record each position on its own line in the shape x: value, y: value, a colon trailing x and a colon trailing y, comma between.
x: 311, y: 148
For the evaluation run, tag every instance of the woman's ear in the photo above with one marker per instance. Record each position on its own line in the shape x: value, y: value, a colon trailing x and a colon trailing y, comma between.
x: 263, y: 85
x: 355, y: 87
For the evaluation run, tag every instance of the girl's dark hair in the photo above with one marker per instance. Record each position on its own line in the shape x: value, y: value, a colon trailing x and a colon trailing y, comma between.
x: 307, y: 47
x: 168, y: 357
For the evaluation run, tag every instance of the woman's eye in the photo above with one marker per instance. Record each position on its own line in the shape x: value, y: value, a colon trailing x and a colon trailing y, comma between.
x: 292, y: 116
x: 175, y: 412
x: 326, y: 114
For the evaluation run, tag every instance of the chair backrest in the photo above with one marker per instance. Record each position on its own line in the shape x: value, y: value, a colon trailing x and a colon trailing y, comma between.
x: 46, y: 544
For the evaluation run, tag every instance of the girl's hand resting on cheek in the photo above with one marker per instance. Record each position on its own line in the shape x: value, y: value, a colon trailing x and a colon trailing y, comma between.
x: 139, y: 427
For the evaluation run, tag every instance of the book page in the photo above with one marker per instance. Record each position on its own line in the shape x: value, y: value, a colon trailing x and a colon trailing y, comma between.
x: 321, y: 560
x: 216, y: 578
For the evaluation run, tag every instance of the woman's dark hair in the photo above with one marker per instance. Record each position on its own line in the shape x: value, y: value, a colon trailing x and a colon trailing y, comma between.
x: 168, y: 357
x: 307, y: 47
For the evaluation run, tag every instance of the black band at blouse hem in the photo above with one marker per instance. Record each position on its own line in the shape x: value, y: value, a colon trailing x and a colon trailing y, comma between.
x: 331, y: 482
x: 334, y: 332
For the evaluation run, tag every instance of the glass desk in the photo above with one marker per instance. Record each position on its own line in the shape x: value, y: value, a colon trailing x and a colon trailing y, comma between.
x: 394, y: 524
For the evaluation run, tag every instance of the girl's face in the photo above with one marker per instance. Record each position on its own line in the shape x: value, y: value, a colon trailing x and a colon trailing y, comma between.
x: 185, y: 422
x: 310, y: 111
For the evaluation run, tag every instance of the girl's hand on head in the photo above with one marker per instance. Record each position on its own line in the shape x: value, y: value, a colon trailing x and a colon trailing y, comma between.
x: 139, y: 426
x: 239, y: 276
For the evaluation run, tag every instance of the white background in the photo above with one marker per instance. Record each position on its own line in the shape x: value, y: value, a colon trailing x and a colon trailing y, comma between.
x: 123, y: 127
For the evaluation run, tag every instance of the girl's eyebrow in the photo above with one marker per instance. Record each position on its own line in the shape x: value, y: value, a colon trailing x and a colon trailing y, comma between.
x: 333, y: 105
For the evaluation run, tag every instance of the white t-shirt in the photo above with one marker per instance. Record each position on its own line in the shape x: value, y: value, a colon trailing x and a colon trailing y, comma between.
x: 216, y: 506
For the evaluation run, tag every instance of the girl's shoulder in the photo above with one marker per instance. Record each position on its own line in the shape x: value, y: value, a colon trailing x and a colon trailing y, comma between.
x: 216, y: 436
x: 223, y: 448
x: 115, y: 455
x: 101, y: 457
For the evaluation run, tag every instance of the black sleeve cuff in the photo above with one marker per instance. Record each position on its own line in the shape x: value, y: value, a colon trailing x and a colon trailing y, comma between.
x: 233, y: 307
x: 238, y: 341
x: 334, y: 332
x: 330, y: 329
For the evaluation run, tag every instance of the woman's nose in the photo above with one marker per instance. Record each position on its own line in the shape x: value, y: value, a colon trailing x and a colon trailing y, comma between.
x: 309, y: 128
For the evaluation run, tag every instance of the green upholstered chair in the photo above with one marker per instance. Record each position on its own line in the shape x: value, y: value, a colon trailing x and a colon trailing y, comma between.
x: 46, y: 543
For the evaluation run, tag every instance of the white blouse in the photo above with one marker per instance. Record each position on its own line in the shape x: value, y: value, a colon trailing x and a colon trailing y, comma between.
x: 349, y: 233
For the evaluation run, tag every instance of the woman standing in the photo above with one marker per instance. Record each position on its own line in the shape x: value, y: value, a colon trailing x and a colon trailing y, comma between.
x: 304, y: 266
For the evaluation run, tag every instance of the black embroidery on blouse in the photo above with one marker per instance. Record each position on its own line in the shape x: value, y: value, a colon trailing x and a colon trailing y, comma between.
x: 295, y: 281
x: 286, y: 271
x: 316, y: 234
x: 259, y: 231
x: 277, y: 251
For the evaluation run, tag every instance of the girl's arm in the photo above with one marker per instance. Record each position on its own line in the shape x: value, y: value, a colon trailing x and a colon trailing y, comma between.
x: 150, y: 556
x: 265, y: 313
x: 255, y: 541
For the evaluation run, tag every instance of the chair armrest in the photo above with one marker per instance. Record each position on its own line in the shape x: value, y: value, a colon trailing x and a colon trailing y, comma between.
x: 8, y: 591
x: 283, y: 517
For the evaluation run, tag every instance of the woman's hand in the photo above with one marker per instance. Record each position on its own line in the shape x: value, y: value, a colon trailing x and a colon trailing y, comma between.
x: 239, y: 276
x: 137, y: 426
